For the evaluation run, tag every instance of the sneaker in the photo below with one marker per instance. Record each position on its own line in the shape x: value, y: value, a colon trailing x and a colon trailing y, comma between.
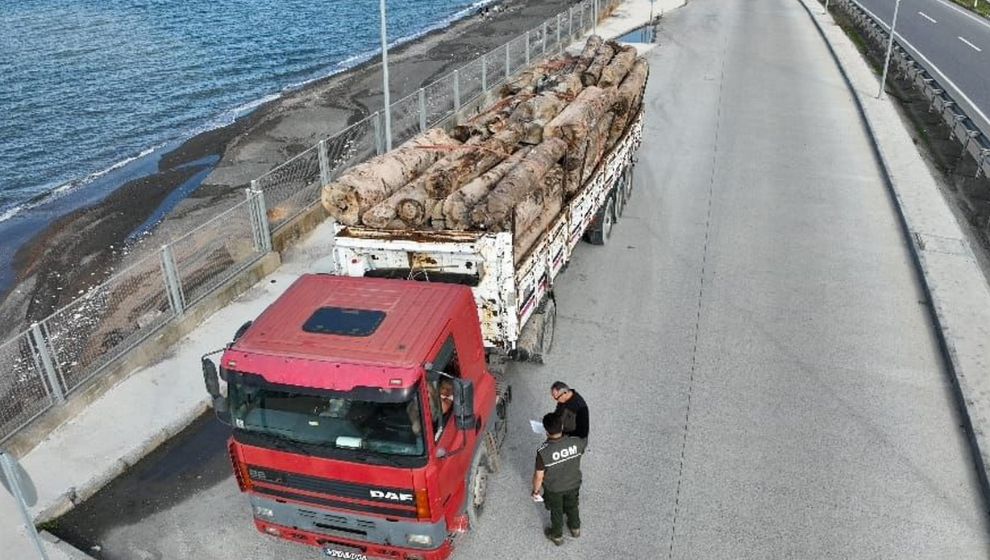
x: 576, y: 533
x: 556, y: 540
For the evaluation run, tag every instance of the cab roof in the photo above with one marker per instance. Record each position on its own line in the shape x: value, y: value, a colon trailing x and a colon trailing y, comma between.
x: 415, y: 316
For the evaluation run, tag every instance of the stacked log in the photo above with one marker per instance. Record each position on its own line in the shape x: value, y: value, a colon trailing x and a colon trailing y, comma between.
x: 369, y: 183
x: 512, y: 167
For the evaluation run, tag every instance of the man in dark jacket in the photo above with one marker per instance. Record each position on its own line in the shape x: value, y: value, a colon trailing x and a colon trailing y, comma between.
x: 558, y: 473
x: 571, y: 408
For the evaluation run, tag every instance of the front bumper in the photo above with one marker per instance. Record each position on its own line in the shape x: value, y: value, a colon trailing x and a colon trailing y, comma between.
x: 376, y: 537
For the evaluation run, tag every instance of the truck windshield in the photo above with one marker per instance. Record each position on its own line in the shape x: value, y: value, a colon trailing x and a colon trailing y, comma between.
x: 375, y: 420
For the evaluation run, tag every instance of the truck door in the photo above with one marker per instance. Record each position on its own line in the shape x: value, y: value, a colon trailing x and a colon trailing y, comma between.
x: 456, y: 445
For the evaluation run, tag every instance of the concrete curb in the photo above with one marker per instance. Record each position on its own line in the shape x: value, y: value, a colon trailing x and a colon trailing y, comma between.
x: 79, y: 494
x: 958, y: 298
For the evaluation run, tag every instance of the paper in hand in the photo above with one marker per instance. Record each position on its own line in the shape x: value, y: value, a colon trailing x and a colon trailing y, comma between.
x: 537, y: 427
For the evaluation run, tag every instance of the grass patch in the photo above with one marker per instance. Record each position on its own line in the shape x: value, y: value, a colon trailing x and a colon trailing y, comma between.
x: 981, y: 7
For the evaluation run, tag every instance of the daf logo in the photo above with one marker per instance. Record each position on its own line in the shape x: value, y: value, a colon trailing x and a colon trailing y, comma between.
x: 391, y: 496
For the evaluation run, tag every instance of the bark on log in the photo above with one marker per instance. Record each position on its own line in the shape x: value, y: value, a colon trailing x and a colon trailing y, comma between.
x: 532, y: 208
x: 491, y: 121
x: 496, y: 211
x: 617, y: 69
x: 628, y: 99
x: 369, y: 183
x: 577, y: 119
x: 591, y: 47
x: 463, y: 165
x: 603, y: 56
x: 523, y: 241
x: 597, y: 143
x: 457, y: 207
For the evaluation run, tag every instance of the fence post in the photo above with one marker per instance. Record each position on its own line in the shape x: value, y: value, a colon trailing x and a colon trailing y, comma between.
x: 379, y: 144
x: 260, y: 211
x: 173, y: 286
x: 527, y: 48
x: 560, y: 46
x: 594, y: 14
x: 484, y: 73
x: 457, y: 93
x: 40, y: 343
x: 508, y: 62
x: 324, y: 162
x: 544, y: 38
x: 570, y: 24
x: 422, y: 110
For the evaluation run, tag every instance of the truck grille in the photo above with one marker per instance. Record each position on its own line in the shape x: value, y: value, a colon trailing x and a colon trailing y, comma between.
x: 276, y: 484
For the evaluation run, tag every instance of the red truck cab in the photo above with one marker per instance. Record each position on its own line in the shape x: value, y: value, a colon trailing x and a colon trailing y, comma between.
x: 339, y: 436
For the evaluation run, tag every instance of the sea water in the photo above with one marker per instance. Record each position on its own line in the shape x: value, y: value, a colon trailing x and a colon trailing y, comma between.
x: 87, y: 89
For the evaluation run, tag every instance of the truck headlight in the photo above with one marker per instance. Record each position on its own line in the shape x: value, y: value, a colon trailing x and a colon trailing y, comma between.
x: 422, y: 540
x: 264, y: 512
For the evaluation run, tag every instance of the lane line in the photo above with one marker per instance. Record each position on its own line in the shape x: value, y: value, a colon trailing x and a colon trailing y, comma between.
x: 928, y: 17
x: 963, y: 39
x: 963, y: 11
x: 931, y: 67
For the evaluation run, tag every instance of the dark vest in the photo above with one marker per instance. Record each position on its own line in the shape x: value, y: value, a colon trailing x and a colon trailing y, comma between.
x: 562, y: 463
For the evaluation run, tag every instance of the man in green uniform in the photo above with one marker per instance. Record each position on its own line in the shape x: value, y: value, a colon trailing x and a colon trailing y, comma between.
x: 558, y: 473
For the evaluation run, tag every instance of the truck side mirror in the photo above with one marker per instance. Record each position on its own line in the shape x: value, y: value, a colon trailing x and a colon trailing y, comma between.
x: 464, y: 404
x: 212, y: 382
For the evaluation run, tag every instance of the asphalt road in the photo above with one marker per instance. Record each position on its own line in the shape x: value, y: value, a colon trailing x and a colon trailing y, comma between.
x: 954, y: 44
x: 754, y: 346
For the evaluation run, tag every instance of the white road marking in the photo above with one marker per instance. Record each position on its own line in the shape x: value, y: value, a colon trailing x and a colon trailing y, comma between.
x: 928, y: 17
x: 978, y: 49
x: 963, y: 11
x: 930, y: 65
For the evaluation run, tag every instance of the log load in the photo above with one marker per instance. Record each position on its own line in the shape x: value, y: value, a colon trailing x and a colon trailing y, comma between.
x: 457, y: 207
x: 369, y: 183
x: 495, y: 212
x: 515, y: 165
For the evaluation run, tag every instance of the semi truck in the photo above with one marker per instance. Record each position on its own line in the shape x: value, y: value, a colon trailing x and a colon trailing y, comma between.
x: 368, y: 406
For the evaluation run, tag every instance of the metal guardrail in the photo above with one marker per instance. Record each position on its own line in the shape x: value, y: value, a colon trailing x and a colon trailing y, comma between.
x: 43, y: 366
x: 955, y: 110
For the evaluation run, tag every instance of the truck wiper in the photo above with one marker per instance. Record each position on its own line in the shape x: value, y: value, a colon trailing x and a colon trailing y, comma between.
x: 281, y: 442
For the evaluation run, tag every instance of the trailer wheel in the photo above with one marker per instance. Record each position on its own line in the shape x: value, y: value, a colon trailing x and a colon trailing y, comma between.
x: 620, y: 197
x: 549, y: 326
x: 477, y: 485
x: 605, y: 220
x: 628, y: 183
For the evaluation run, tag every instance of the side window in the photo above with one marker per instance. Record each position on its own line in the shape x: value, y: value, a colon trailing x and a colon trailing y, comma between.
x: 442, y: 390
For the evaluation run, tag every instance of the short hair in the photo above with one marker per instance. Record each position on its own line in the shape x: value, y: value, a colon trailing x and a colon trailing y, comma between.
x: 553, y: 424
x: 559, y: 386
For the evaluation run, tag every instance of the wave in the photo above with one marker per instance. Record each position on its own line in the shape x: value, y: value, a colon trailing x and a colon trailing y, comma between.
x: 55, y: 191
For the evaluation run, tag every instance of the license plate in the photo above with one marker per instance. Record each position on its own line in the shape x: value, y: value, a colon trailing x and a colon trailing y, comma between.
x: 344, y: 553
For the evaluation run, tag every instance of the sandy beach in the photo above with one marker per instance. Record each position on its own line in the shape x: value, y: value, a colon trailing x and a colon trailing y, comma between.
x: 83, y: 248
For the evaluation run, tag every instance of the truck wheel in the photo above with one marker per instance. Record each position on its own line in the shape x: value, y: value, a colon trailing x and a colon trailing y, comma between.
x: 477, y: 485
x: 549, y: 326
x: 629, y: 181
x: 606, y: 218
x: 620, y: 197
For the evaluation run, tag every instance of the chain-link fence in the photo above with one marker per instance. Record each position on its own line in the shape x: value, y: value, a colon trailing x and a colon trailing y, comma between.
x: 45, y: 364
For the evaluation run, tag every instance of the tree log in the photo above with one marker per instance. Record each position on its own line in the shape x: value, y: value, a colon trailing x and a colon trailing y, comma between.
x: 457, y: 207
x: 629, y: 98
x: 463, y: 165
x: 575, y: 122
x: 617, y: 69
x: 369, y: 183
x: 590, y: 48
x: 603, y: 56
x: 597, y: 143
x: 523, y: 240
x: 496, y: 211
